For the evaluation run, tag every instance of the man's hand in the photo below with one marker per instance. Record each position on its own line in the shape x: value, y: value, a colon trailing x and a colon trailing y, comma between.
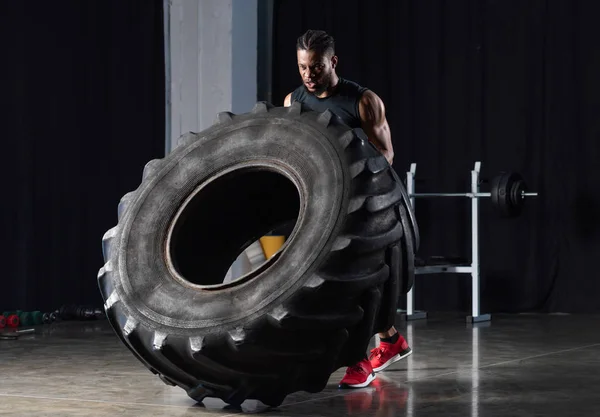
x: 375, y: 125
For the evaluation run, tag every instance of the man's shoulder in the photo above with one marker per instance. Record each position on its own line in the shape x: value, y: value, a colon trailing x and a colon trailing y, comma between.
x: 363, y: 94
x: 354, y: 87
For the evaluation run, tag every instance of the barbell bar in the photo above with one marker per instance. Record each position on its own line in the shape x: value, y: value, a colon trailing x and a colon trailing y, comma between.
x: 469, y: 195
x: 508, y: 194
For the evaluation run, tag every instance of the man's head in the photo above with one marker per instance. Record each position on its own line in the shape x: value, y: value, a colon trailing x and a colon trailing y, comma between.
x: 315, y: 50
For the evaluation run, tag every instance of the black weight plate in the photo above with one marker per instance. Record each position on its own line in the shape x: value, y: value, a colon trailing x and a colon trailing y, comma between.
x: 494, y: 190
x: 506, y: 195
x: 516, y: 190
x: 514, y: 187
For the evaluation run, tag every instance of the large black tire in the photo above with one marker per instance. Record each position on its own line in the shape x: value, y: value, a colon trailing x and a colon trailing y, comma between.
x: 311, y: 309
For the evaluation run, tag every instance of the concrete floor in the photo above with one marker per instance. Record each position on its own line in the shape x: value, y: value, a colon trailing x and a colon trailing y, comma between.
x: 524, y: 365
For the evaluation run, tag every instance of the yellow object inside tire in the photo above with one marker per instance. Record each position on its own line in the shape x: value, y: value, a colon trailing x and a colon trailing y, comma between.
x: 271, y: 244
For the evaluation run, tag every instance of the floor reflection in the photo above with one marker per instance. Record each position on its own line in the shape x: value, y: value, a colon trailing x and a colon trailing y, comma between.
x: 383, y: 398
x: 475, y: 372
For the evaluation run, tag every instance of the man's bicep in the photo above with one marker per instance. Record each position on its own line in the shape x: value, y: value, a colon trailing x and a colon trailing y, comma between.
x: 375, y: 125
x: 372, y: 114
x: 380, y: 130
x: 379, y: 134
x: 288, y: 100
x: 372, y: 110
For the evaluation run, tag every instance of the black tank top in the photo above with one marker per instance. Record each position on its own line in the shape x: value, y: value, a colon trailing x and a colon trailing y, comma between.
x: 343, y: 102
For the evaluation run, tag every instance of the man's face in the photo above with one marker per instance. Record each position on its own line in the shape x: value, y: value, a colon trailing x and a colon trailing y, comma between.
x: 315, y: 69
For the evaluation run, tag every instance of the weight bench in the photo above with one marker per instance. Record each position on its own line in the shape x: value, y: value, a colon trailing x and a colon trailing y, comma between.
x: 453, y: 266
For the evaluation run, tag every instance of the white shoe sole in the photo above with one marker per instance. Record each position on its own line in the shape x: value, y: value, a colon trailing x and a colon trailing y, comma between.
x: 370, y: 379
x: 392, y: 361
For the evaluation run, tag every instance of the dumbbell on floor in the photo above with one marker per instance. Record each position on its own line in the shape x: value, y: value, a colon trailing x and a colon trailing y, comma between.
x: 48, y: 318
x: 25, y: 318
x: 11, y: 320
x: 79, y: 312
x: 32, y: 318
x: 67, y: 312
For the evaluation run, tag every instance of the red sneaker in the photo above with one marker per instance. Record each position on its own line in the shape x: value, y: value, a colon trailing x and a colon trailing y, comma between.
x: 388, y: 353
x: 358, y: 376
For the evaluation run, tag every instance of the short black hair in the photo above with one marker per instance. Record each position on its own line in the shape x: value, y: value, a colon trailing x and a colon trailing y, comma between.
x: 316, y: 40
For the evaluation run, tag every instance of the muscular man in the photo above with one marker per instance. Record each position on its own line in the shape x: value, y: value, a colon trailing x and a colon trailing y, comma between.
x: 358, y: 107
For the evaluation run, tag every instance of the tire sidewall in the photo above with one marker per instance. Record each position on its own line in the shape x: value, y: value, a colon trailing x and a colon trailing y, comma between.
x: 313, y: 160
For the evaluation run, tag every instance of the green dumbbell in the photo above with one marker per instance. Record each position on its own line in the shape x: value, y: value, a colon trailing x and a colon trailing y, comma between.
x: 37, y: 318
x: 26, y: 319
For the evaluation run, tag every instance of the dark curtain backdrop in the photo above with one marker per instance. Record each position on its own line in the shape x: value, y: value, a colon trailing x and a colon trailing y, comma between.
x: 82, y: 112
x: 512, y: 83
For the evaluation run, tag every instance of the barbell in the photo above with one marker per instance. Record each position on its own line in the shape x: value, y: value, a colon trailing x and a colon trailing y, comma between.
x: 508, y: 193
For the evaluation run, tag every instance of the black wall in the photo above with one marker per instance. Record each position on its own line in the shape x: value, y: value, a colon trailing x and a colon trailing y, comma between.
x: 82, y: 112
x: 511, y: 83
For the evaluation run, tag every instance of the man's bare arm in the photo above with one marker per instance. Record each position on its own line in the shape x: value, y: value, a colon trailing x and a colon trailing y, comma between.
x: 375, y: 125
x: 288, y: 100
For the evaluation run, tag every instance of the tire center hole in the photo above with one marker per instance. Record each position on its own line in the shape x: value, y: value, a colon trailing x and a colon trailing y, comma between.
x: 232, y: 225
